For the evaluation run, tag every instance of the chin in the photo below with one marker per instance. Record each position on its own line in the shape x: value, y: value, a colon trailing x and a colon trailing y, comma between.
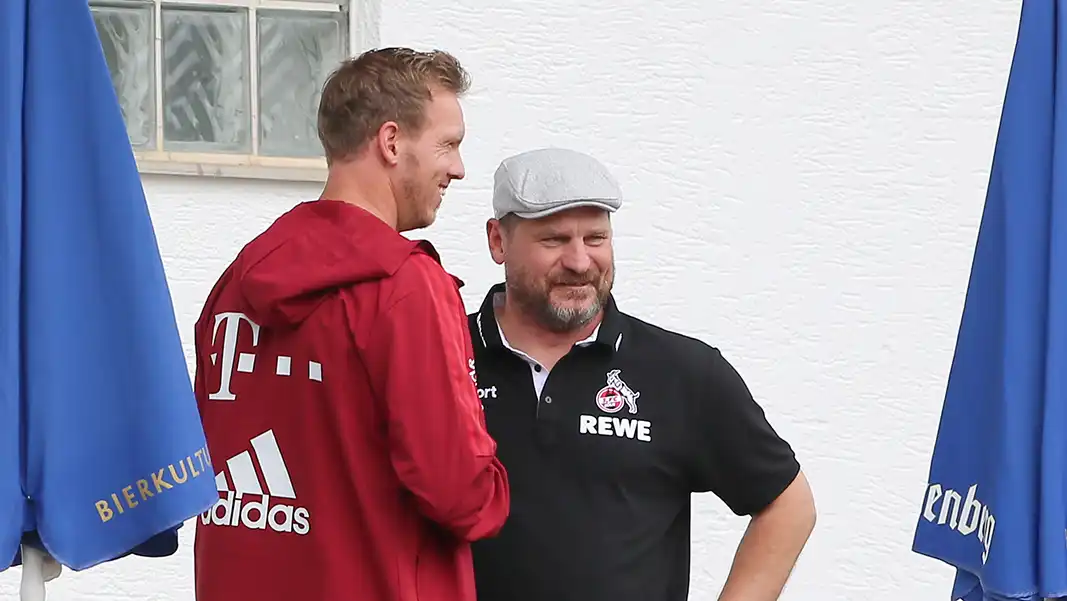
x: 415, y: 224
x: 574, y: 305
x: 431, y: 218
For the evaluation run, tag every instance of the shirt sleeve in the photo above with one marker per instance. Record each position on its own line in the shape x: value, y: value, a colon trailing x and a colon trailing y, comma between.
x: 738, y: 456
x: 420, y: 362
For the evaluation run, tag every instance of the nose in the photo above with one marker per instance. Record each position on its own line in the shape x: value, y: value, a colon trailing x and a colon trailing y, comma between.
x: 576, y: 257
x: 457, y: 171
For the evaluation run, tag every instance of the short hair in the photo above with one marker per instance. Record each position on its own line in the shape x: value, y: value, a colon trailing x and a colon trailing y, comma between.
x: 381, y: 85
x: 508, y: 223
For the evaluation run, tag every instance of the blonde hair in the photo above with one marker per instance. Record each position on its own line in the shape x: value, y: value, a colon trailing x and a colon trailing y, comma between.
x: 388, y: 84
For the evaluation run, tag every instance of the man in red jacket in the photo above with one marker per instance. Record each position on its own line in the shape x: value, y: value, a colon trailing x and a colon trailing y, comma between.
x: 335, y: 374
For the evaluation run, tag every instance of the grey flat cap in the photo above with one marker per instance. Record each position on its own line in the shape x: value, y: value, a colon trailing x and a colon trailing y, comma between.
x: 541, y: 182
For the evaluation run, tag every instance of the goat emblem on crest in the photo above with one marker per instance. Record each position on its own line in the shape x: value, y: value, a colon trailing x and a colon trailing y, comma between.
x: 617, y: 394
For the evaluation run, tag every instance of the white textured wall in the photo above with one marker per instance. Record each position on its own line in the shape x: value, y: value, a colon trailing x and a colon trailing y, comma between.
x: 805, y: 181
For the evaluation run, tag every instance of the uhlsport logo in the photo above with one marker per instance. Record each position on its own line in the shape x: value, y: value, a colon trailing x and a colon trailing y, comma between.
x: 615, y: 395
x: 246, y: 504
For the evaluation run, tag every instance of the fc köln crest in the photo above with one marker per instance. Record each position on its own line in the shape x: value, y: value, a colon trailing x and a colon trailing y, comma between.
x: 616, y: 394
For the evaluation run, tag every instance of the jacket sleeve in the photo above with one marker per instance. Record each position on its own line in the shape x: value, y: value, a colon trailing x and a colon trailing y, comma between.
x: 421, y: 366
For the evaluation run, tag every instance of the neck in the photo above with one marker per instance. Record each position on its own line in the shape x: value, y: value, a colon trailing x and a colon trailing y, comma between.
x: 525, y: 334
x: 355, y: 184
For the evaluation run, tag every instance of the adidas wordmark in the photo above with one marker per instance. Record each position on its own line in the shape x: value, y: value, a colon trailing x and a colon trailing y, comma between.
x: 246, y: 504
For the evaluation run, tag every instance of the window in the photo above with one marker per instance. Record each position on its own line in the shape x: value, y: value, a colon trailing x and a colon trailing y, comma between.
x: 223, y: 87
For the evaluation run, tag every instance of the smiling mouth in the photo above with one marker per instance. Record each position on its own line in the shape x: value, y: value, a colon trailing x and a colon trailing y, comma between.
x: 573, y: 288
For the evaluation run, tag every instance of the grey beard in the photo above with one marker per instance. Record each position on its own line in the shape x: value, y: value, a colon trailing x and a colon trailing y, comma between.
x: 552, y: 318
x: 562, y: 320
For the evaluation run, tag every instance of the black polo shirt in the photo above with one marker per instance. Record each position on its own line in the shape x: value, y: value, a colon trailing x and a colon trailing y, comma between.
x: 603, y: 459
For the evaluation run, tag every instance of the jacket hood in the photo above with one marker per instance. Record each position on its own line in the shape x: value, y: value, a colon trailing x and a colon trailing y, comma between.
x: 312, y: 250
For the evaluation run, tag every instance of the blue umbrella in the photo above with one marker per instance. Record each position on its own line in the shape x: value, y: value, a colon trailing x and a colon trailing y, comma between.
x: 995, y: 504
x: 101, y: 449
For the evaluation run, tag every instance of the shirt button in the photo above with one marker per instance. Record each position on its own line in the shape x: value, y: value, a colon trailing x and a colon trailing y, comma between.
x: 548, y: 400
x: 537, y: 368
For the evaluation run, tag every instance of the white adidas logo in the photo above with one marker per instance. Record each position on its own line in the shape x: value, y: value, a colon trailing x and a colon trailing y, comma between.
x: 246, y: 504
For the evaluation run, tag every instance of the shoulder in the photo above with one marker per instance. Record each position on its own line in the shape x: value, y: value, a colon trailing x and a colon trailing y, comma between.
x: 700, y: 366
x: 422, y: 279
x: 687, y: 351
x: 422, y: 267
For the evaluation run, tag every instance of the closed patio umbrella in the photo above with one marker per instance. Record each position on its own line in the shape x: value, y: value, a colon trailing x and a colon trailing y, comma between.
x: 101, y: 449
x: 996, y: 501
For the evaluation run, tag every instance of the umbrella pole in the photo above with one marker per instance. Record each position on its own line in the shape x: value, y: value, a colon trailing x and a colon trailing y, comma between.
x: 32, y: 574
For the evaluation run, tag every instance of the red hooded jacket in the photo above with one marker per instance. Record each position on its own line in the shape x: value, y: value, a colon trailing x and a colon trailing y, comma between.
x: 335, y: 380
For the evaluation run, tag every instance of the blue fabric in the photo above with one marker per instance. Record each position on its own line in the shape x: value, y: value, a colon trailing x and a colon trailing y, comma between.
x: 995, y: 503
x: 101, y: 449
x: 12, y: 43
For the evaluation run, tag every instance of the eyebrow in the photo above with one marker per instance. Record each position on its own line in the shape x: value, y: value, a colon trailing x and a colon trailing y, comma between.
x: 550, y: 232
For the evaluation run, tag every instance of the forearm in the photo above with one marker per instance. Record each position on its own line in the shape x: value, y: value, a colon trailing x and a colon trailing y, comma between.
x: 770, y: 547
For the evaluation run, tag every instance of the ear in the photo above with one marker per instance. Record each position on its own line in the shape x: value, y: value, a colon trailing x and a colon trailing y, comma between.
x: 387, y: 143
x: 495, y: 237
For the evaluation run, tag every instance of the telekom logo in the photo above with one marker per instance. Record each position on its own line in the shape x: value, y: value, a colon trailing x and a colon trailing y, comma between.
x: 230, y: 324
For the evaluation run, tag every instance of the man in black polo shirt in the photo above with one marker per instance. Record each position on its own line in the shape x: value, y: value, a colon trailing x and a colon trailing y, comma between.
x: 605, y: 423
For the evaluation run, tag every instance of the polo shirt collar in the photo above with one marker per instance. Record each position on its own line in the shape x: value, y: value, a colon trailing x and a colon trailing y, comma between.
x: 608, y: 334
